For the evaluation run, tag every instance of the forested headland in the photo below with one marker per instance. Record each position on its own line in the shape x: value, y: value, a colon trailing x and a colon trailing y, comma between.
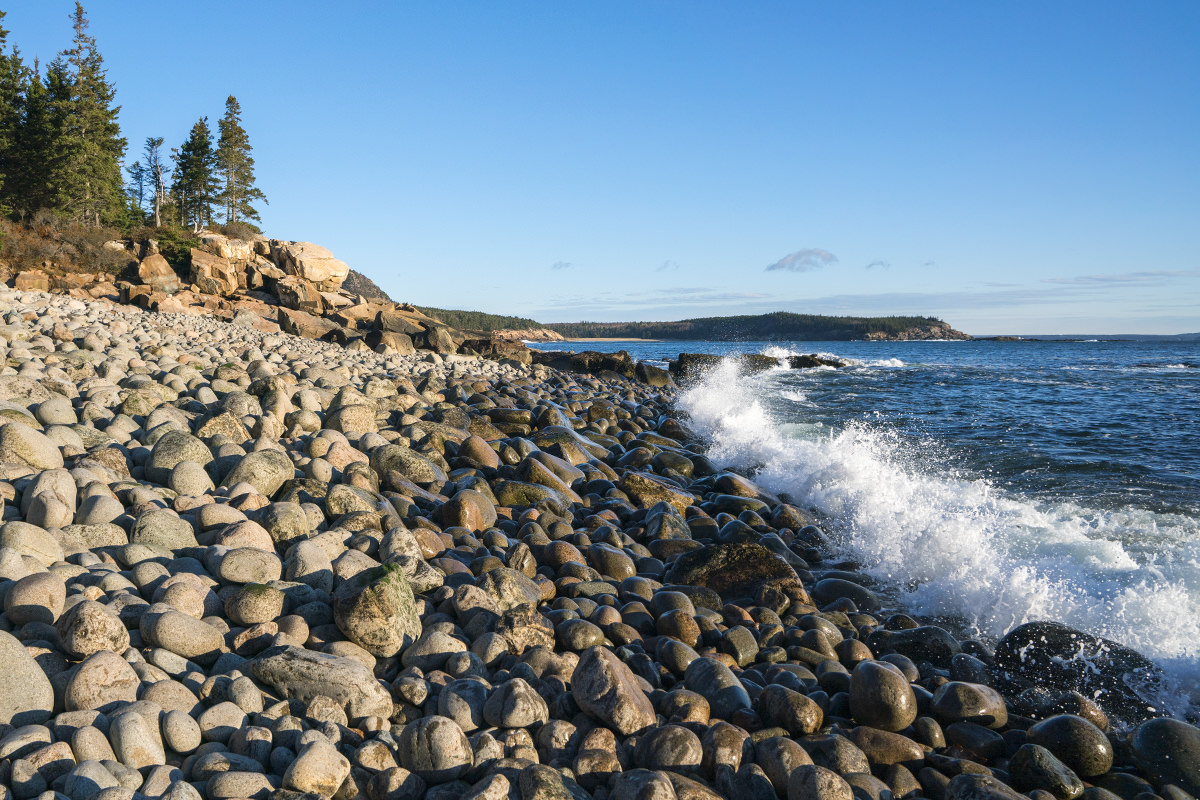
x: 479, y: 320
x: 777, y: 326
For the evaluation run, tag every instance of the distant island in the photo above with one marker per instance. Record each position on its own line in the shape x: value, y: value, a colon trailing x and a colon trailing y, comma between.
x: 777, y: 326
x: 782, y: 326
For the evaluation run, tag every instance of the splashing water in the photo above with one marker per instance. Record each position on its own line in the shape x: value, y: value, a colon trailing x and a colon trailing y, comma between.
x: 947, y: 545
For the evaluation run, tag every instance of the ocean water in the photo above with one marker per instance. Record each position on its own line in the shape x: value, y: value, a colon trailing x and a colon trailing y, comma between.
x: 995, y: 483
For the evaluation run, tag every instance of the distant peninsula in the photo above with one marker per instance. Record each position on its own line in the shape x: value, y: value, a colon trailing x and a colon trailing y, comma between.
x: 776, y: 326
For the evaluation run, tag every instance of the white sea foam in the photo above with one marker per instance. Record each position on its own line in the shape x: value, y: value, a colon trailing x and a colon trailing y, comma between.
x: 781, y: 352
x: 947, y: 545
x: 778, y: 351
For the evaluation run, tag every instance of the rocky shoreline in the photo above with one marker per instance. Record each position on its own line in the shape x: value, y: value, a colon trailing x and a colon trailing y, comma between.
x: 236, y: 563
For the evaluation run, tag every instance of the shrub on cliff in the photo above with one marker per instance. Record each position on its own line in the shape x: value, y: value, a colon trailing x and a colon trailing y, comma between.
x: 60, y: 246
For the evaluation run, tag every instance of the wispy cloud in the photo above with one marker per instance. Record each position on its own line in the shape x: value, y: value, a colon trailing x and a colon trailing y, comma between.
x: 927, y: 264
x: 879, y: 263
x: 561, y: 265
x: 806, y: 260
x: 1144, y: 276
x: 668, y: 266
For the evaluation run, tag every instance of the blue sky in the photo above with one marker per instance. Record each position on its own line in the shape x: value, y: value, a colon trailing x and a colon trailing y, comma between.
x: 1017, y: 167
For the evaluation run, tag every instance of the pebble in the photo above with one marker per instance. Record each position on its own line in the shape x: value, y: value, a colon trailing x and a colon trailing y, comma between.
x: 881, y: 697
x: 135, y: 742
x: 607, y: 691
x: 1076, y: 742
x: 104, y: 681
x: 319, y: 768
x: 1169, y: 752
x: 958, y: 701
x: 435, y: 749
x: 1034, y: 767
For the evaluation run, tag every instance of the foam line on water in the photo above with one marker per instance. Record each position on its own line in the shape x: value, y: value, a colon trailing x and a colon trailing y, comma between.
x: 953, y: 546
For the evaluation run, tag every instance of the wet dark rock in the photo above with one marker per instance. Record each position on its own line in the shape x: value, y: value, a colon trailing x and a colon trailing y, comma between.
x: 1169, y: 752
x: 779, y: 756
x: 738, y: 572
x: 1060, y: 657
x: 970, y: 786
x: 885, y: 748
x: 880, y: 696
x: 1034, y: 767
x: 926, y: 643
x: 958, y: 701
x: 1076, y: 742
x: 791, y: 710
x: 830, y: 589
x: 713, y: 681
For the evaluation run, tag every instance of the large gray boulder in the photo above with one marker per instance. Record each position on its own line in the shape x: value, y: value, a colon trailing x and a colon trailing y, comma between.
x: 303, y: 674
x: 21, y: 444
x: 376, y: 610
x: 26, y: 696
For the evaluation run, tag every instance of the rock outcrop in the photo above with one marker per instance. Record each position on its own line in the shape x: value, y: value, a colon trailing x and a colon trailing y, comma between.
x: 529, y: 335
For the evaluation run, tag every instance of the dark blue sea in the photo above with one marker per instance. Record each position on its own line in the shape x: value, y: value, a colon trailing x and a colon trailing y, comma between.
x: 993, y: 482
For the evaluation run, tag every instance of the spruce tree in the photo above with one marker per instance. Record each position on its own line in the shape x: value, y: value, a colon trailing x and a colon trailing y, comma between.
x: 138, y: 180
x: 195, y: 183
x: 235, y: 166
x: 11, y: 78
x: 90, y: 189
x: 38, y: 160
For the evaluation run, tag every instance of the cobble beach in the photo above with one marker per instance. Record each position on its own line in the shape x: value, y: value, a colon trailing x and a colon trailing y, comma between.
x: 238, y: 564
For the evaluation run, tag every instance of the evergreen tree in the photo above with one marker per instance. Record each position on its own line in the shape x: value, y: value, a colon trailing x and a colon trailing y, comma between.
x: 195, y: 183
x: 11, y: 78
x: 138, y: 179
x: 38, y: 160
x: 235, y: 166
x: 90, y: 185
